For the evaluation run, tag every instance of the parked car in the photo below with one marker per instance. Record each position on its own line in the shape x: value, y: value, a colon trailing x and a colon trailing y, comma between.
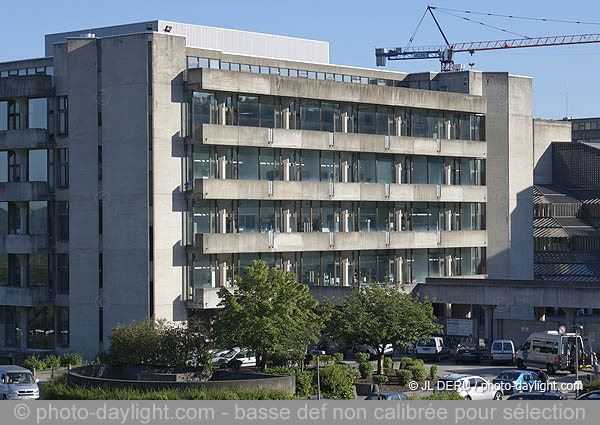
x: 330, y: 347
x: 502, y: 351
x: 18, y: 383
x: 467, y: 352
x: 386, y: 395
x: 592, y: 395
x: 470, y: 387
x: 365, y: 348
x: 548, y: 350
x: 225, y: 356
x: 431, y: 348
x: 536, y: 395
x: 515, y: 381
x: 247, y: 358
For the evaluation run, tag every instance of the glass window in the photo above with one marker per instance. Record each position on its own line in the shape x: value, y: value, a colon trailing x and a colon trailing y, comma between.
x: 63, y: 115
x: 205, y: 111
x: 254, y: 69
x: 4, y: 269
x: 465, y: 127
x: 436, y: 216
x: 269, y: 112
x: 248, y: 110
x: 467, y: 216
x: 63, y: 220
x: 15, y: 165
x: 269, y: 164
x: 38, y: 113
x: 204, y: 216
x: 3, y: 115
x: 205, y: 273
x: 467, y: 171
x: 419, y: 169
x: 436, y: 262
x: 419, y: 266
x: 204, y: 162
x: 248, y: 216
x: 385, y: 216
x: 330, y: 116
x: 316, y: 224
x: 366, y: 119
x: 40, y: 328
x: 3, y: 167
x: 63, y: 168
x: 310, y: 115
x: 3, y: 218
x: 269, y: 216
x: 367, y: 168
x: 385, y: 267
x: 38, y: 165
x: 368, y: 267
x: 248, y: 163
x: 62, y: 322
x: 420, y: 216
x: 436, y: 170
x: 38, y: 270
x: 385, y: 168
x: 38, y: 217
x: 368, y: 217
x: 385, y: 121
x: 419, y: 123
x: 329, y: 166
x: 435, y: 124
x: 467, y: 262
x: 311, y: 268
x: 310, y: 165
x: 331, y: 268
x: 330, y: 217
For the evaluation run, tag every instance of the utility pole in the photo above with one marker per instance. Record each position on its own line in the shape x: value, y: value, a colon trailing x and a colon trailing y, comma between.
x: 318, y: 353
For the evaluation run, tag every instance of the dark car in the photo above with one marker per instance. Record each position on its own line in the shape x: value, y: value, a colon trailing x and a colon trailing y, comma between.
x: 535, y: 395
x: 592, y: 395
x: 386, y: 395
x: 467, y: 352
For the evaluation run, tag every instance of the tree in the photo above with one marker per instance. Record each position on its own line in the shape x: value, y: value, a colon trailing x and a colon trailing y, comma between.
x: 268, y: 313
x: 380, y: 315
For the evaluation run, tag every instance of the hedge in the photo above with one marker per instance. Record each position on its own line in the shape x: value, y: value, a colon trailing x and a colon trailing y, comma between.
x: 60, y: 388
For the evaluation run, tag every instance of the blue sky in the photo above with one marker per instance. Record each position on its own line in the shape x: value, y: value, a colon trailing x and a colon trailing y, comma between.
x: 354, y: 29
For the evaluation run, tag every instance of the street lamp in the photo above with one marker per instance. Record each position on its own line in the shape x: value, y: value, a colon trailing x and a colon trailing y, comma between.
x: 318, y: 353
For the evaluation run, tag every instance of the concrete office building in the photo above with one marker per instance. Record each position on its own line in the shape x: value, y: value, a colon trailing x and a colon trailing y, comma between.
x: 143, y: 166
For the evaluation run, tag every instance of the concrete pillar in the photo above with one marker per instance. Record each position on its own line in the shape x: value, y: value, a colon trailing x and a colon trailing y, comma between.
x: 571, y: 315
x: 344, y: 122
x: 222, y: 221
x: 285, y: 113
x: 285, y: 169
x: 222, y: 166
x: 489, y: 323
x: 448, y: 264
x: 221, y: 109
x: 399, y: 267
x: 540, y: 314
x: 222, y: 274
x: 287, y: 225
x: 398, y: 126
x: 345, y: 272
x: 447, y: 129
x: 398, y: 172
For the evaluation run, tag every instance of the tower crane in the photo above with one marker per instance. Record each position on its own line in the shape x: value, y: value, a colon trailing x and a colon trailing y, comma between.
x: 446, y: 53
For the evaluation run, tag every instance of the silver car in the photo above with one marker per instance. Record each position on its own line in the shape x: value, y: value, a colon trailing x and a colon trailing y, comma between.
x: 17, y: 383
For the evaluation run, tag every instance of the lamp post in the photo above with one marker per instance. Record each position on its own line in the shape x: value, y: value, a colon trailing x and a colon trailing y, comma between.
x: 318, y: 353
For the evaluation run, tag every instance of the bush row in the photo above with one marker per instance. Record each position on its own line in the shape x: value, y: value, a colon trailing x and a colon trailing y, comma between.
x: 52, y: 361
x: 336, y: 380
x: 60, y: 388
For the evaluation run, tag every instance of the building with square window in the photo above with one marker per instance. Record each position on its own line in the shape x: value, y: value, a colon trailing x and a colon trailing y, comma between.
x: 143, y: 166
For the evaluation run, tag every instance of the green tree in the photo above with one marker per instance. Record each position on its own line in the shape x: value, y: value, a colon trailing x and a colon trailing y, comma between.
x: 380, y: 315
x: 268, y: 313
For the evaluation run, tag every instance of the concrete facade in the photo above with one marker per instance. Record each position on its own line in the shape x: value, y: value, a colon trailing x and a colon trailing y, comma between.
x: 136, y: 247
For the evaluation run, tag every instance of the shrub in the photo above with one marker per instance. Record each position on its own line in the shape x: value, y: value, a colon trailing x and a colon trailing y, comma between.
x: 306, y: 384
x: 388, y: 371
x: 365, y: 369
x: 362, y: 357
x: 60, y: 388
x: 33, y: 362
x: 338, y: 357
x: 388, y: 363
x: 404, y: 376
x: 73, y: 359
x: 433, y: 371
x: 50, y: 362
x: 158, y: 343
x: 337, y: 381
x: 405, y: 362
x: 380, y: 379
x: 419, y: 373
x: 444, y: 395
x: 325, y: 360
x: 591, y: 386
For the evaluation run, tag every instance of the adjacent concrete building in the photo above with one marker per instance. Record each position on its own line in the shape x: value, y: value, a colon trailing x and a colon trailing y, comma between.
x: 143, y: 166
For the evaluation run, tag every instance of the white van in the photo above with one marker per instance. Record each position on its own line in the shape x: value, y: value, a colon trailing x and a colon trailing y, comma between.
x: 17, y: 383
x: 431, y: 348
x: 548, y: 350
x: 502, y: 351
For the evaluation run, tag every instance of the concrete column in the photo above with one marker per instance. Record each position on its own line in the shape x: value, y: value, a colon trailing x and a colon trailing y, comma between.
x: 398, y: 172
x: 448, y: 170
x: 571, y: 315
x: 285, y: 169
x: 540, y: 314
x: 221, y: 109
x: 287, y: 225
x: 398, y: 126
x: 222, y: 167
x: 285, y: 113
x: 399, y: 266
x: 489, y: 323
x: 447, y: 129
x: 344, y: 122
x: 345, y: 272
x: 222, y: 221
x: 449, y: 271
x: 222, y: 274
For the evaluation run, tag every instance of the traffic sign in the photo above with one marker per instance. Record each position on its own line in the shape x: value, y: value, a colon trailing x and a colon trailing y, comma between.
x: 562, y: 329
